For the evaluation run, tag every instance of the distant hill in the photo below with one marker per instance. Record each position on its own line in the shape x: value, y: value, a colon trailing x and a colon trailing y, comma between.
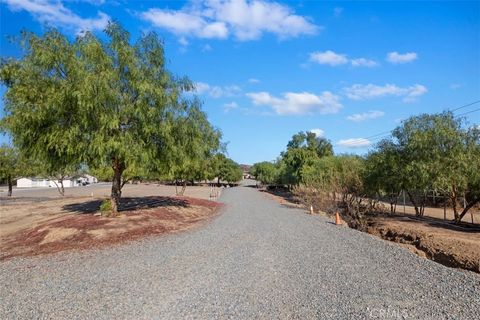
x: 245, y: 167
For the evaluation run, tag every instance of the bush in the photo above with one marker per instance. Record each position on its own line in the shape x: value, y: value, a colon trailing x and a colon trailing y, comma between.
x: 106, y: 207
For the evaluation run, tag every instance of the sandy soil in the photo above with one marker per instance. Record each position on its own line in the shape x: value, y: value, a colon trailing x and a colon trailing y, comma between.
x: 29, y: 207
x: 103, y: 190
x: 87, y: 230
x: 41, y: 221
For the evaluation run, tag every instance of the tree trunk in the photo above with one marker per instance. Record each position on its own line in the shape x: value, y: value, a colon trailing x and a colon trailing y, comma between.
x: 184, y: 186
x: 393, y: 202
x: 118, y: 168
x: 412, y: 199
x: 453, y: 197
x: 10, y: 185
x: 60, y: 188
x: 465, y: 210
x: 424, y: 201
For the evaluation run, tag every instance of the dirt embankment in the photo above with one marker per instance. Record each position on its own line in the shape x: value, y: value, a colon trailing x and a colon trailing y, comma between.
x: 86, y: 230
x: 450, y: 245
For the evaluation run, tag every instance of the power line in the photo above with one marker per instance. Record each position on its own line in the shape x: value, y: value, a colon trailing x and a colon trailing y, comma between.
x: 378, y: 134
x: 467, y: 105
x: 471, y: 111
x: 387, y: 133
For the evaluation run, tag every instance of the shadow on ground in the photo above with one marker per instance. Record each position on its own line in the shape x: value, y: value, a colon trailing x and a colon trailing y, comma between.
x: 436, y: 222
x: 127, y: 204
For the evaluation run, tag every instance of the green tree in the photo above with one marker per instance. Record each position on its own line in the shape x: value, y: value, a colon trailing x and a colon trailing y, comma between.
x: 302, y: 151
x: 226, y: 169
x: 195, y: 142
x: 309, y: 140
x: 439, y: 152
x: 91, y: 102
x: 14, y: 164
x: 265, y: 172
x: 383, y: 175
x: 9, y: 159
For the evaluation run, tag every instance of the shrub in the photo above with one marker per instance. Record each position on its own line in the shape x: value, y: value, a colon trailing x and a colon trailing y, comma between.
x: 106, y: 207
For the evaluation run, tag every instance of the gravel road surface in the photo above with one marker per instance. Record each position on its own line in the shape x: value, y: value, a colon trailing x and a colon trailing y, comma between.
x: 257, y: 260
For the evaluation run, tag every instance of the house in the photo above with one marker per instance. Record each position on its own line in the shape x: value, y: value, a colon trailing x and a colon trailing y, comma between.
x: 90, y: 179
x: 68, y: 182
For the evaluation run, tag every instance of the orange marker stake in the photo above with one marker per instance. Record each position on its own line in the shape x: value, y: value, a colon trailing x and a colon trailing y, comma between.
x: 337, y: 219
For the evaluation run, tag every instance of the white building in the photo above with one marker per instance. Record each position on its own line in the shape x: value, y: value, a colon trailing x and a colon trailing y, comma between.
x: 90, y: 179
x: 68, y: 182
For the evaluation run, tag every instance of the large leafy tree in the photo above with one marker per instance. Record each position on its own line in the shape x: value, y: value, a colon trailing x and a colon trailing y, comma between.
x: 384, y: 174
x: 266, y: 172
x: 439, y: 152
x: 92, y: 101
x: 302, y: 151
x: 225, y: 169
x: 195, y: 144
x: 310, y: 141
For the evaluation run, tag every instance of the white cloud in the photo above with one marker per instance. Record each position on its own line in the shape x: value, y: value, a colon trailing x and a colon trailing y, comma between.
x: 298, y: 103
x: 358, y: 117
x: 413, y: 92
x: 328, y: 57
x: 217, y: 91
x: 371, y: 91
x: 230, y: 106
x: 185, y: 24
x: 206, y: 48
x: 336, y: 59
x: 455, y: 86
x: 55, y: 14
x: 245, y: 20
x: 253, y: 80
x: 337, y: 11
x: 318, y: 132
x: 94, y: 2
x: 201, y: 87
x: 362, y: 62
x: 398, y: 58
x: 183, y: 41
x: 354, y: 143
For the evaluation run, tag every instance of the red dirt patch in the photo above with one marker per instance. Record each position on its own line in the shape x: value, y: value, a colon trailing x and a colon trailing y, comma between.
x: 82, y: 231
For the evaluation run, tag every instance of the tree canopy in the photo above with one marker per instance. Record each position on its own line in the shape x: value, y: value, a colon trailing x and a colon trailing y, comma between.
x: 99, y: 103
x: 428, y: 152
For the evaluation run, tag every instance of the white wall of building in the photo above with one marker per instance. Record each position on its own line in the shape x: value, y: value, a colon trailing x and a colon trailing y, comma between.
x: 33, y: 183
x: 43, y: 182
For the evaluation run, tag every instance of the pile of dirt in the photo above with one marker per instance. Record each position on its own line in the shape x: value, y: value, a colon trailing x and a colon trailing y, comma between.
x: 450, y: 245
x: 87, y: 230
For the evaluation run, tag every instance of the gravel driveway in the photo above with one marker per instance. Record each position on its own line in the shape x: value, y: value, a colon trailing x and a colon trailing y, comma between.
x: 257, y: 260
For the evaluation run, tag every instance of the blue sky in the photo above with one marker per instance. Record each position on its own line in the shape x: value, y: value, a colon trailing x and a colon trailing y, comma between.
x: 266, y: 70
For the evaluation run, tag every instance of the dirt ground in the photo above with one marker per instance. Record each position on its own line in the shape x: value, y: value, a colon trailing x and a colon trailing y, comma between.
x: 430, y: 237
x: 40, y: 221
x: 450, y: 245
x: 103, y: 190
x: 29, y: 207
